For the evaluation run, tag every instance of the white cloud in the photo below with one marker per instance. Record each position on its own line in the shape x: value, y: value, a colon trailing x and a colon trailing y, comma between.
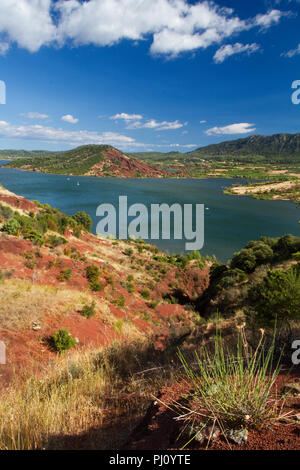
x: 232, y: 49
x: 51, y: 134
x: 203, y: 121
x: 4, y: 46
x: 27, y: 22
x: 136, y: 121
x: 70, y: 119
x: 240, y: 128
x: 292, y: 52
x: 34, y: 115
x: 174, y: 26
x: 158, y: 126
x: 127, y: 117
x: 270, y: 18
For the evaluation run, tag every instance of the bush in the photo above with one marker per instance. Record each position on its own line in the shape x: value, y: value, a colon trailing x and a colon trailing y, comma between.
x: 65, y: 274
x: 277, y: 297
x: 130, y: 287
x: 145, y: 293
x: 244, y: 260
x: 234, y: 390
x: 286, y: 245
x: 89, y: 311
x: 128, y: 252
x: 30, y: 260
x: 83, y: 219
x: 92, y: 273
x: 96, y: 286
x: 263, y: 252
x: 12, y: 227
x: 6, y: 212
x: 120, y: 301
x: 63, y: 340
x: 77, y: 232
x: 34, y: 236
x: 53, y: 241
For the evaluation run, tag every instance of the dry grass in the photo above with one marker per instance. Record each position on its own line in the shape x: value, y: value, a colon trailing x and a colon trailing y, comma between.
x: 22, y: 303
x: 83, y: 399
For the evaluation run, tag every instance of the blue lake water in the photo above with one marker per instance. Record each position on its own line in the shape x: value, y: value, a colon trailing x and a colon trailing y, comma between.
x: 230, y: 222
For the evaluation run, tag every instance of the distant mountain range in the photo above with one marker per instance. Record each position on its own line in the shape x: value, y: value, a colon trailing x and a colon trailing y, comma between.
x: 105, y: 160
x: 277, y: 148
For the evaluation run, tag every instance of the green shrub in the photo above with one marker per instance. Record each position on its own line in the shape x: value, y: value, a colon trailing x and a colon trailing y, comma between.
x: 89, y: 311
x: 277, y: 297
x: 6, y: 212
x: 130, y: 287
x: 128, y: 251
x: 287, y: 245
x: 53, y: 241
x: 63, y: 340
x: 262, y: 252
x: 244, y: 260
x: 96, y: 286
x: 77, y: 232
x: 92, y: 273
x: 30, y: 260
x: 83, y: 219
x: 119, y: 301
x: 65, y: 274
x: 34, y: 236
x: 12, y: 227
x: 145, y: 293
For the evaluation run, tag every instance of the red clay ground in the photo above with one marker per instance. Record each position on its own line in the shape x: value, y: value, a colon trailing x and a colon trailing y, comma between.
x: 159, y: 431
x: 27, y: 349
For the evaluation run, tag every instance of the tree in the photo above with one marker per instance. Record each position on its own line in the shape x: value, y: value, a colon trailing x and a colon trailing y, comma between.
x: 244, y: 260
x: 277, y: 297
x: 82, y: 218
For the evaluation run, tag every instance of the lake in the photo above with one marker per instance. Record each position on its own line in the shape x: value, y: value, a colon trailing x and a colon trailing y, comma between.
x: 230, y: 221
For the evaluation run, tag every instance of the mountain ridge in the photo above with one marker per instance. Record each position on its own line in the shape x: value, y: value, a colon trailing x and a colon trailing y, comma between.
x: 272, y: 147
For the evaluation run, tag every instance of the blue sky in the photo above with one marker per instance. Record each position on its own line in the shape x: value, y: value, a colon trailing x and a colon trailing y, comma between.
x: 146, y: 75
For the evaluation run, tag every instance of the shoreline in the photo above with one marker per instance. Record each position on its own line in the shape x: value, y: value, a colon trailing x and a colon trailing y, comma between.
x: 288, y: 190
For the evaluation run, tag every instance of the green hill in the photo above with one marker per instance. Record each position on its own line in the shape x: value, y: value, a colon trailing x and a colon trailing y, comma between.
x: 90, y: 160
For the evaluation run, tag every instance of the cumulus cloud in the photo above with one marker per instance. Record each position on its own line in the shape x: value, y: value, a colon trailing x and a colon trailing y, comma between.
x: 202, y: 121
x: 174, y: 26
x: 28, y: 23
x: 70, y: 119
x: 240, y: 128
x: 51, y: 134
x: 231, y: 49
x: 34, y: 115
x: 292, y: 52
